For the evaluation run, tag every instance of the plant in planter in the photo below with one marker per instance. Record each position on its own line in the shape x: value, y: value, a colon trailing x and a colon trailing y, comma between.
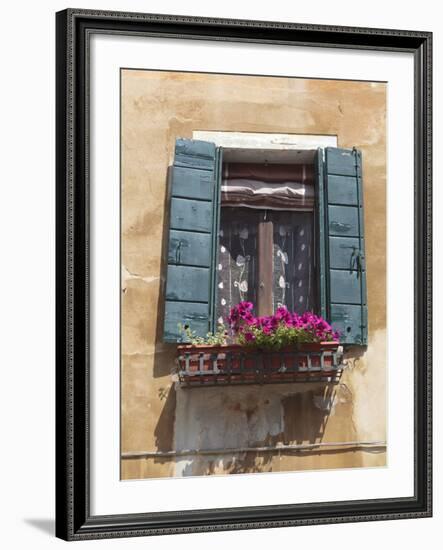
x: 217, y: 338
x: 274, y: 348
x: 281, y: 330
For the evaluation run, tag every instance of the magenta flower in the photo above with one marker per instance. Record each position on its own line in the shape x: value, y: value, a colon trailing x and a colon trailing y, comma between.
x: 282, y: 328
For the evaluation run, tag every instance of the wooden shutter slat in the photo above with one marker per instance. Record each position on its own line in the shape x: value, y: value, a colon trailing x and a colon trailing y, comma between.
x: 194, y: 315
x: 191, y: 153
x: 187, y: 248
x: 191, y: 215
x: 341, y: 251
x: 190, y: 284
x: 345, y: 287
x: 350, y: 320
x: 343, y: 220
x: 192, y: 183
x: 342, y: 190
x: 192, y: 221
x: 340, y: 161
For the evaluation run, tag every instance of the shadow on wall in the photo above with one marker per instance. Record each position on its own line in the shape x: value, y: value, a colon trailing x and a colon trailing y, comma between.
x: 352, y: 356
x: 164, y: 430
x: 164, y: 354
x: 305, y: 415
x: 231, y: 422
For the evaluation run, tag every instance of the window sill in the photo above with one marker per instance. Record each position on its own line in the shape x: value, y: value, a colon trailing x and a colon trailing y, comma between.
x: 202, y: 365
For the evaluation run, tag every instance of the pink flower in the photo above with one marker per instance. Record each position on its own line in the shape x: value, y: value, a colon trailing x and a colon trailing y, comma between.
x: 241, y: 320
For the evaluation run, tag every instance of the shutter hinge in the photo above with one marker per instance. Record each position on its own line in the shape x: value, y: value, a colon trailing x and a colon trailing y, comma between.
x: 357, y: 164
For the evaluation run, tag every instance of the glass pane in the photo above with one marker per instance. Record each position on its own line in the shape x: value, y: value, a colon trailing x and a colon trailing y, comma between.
x: 293, y: 261
x: 237, y: 258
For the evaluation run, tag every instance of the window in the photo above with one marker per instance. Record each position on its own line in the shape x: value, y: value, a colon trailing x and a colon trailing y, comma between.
x: 265, y: 252
x: 245, y: 228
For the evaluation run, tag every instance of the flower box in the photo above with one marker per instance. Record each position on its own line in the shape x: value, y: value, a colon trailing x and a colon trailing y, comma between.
x: 203, y: 365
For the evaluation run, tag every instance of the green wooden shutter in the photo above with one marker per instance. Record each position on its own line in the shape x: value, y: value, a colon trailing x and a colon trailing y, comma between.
x: 341, y: 255
x: 193, y: 227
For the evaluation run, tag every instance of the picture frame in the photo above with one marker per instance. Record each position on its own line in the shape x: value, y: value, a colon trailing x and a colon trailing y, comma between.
x: 74, y: 518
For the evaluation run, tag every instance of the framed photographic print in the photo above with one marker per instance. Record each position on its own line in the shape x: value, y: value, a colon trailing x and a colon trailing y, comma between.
x: 243, y: 274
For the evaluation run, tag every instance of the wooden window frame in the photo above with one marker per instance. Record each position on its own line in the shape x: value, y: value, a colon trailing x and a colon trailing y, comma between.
x: 265, y: 275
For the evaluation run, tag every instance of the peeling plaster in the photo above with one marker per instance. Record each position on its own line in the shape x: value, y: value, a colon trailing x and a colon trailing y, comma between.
x: 127, y: 276
x: 237, y: 417
x: 323, y: 403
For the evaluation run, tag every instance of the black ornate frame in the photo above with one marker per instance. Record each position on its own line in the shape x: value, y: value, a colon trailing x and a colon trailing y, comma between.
x: 74, y: 520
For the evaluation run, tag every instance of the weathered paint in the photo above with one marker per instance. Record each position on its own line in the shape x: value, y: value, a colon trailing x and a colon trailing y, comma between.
x: 342, y: 190
x: 346, y: 272
x: 341, y: 252
x: 192, y: 183
x: 187, y: 284
x: 191, y: 215
x: 343, y: 220
x: 192, y: 221
x: 191, y: 314
x: 189, y: 249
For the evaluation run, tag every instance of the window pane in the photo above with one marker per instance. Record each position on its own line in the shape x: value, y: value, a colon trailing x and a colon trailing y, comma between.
x: 237, y: 258
x: 293, y: 260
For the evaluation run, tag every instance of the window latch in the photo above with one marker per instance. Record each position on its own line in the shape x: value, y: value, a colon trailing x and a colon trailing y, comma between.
x: 353, y: 258
x: 357, y: 260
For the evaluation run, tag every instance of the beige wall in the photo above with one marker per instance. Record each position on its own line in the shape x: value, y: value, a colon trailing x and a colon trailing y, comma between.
x: 157, y: 107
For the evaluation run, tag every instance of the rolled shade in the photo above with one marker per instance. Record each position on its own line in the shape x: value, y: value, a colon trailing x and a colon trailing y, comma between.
x: 303, y: 173
x: 289, y: 195
x: 271, y: 186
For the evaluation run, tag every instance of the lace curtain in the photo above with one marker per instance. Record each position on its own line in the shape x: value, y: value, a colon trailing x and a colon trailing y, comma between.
x: 284, y: 195
x: 293, y: 257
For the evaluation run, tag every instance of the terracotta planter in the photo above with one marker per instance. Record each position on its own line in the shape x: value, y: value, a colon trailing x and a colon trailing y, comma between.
x: 238, y: 364
x: 313, y: 350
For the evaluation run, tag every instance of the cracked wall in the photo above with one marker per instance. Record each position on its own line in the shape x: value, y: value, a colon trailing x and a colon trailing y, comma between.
x: 157, y: 107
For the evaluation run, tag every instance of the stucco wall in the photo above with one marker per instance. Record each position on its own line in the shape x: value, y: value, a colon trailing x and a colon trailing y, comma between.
x: 157, y: 107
